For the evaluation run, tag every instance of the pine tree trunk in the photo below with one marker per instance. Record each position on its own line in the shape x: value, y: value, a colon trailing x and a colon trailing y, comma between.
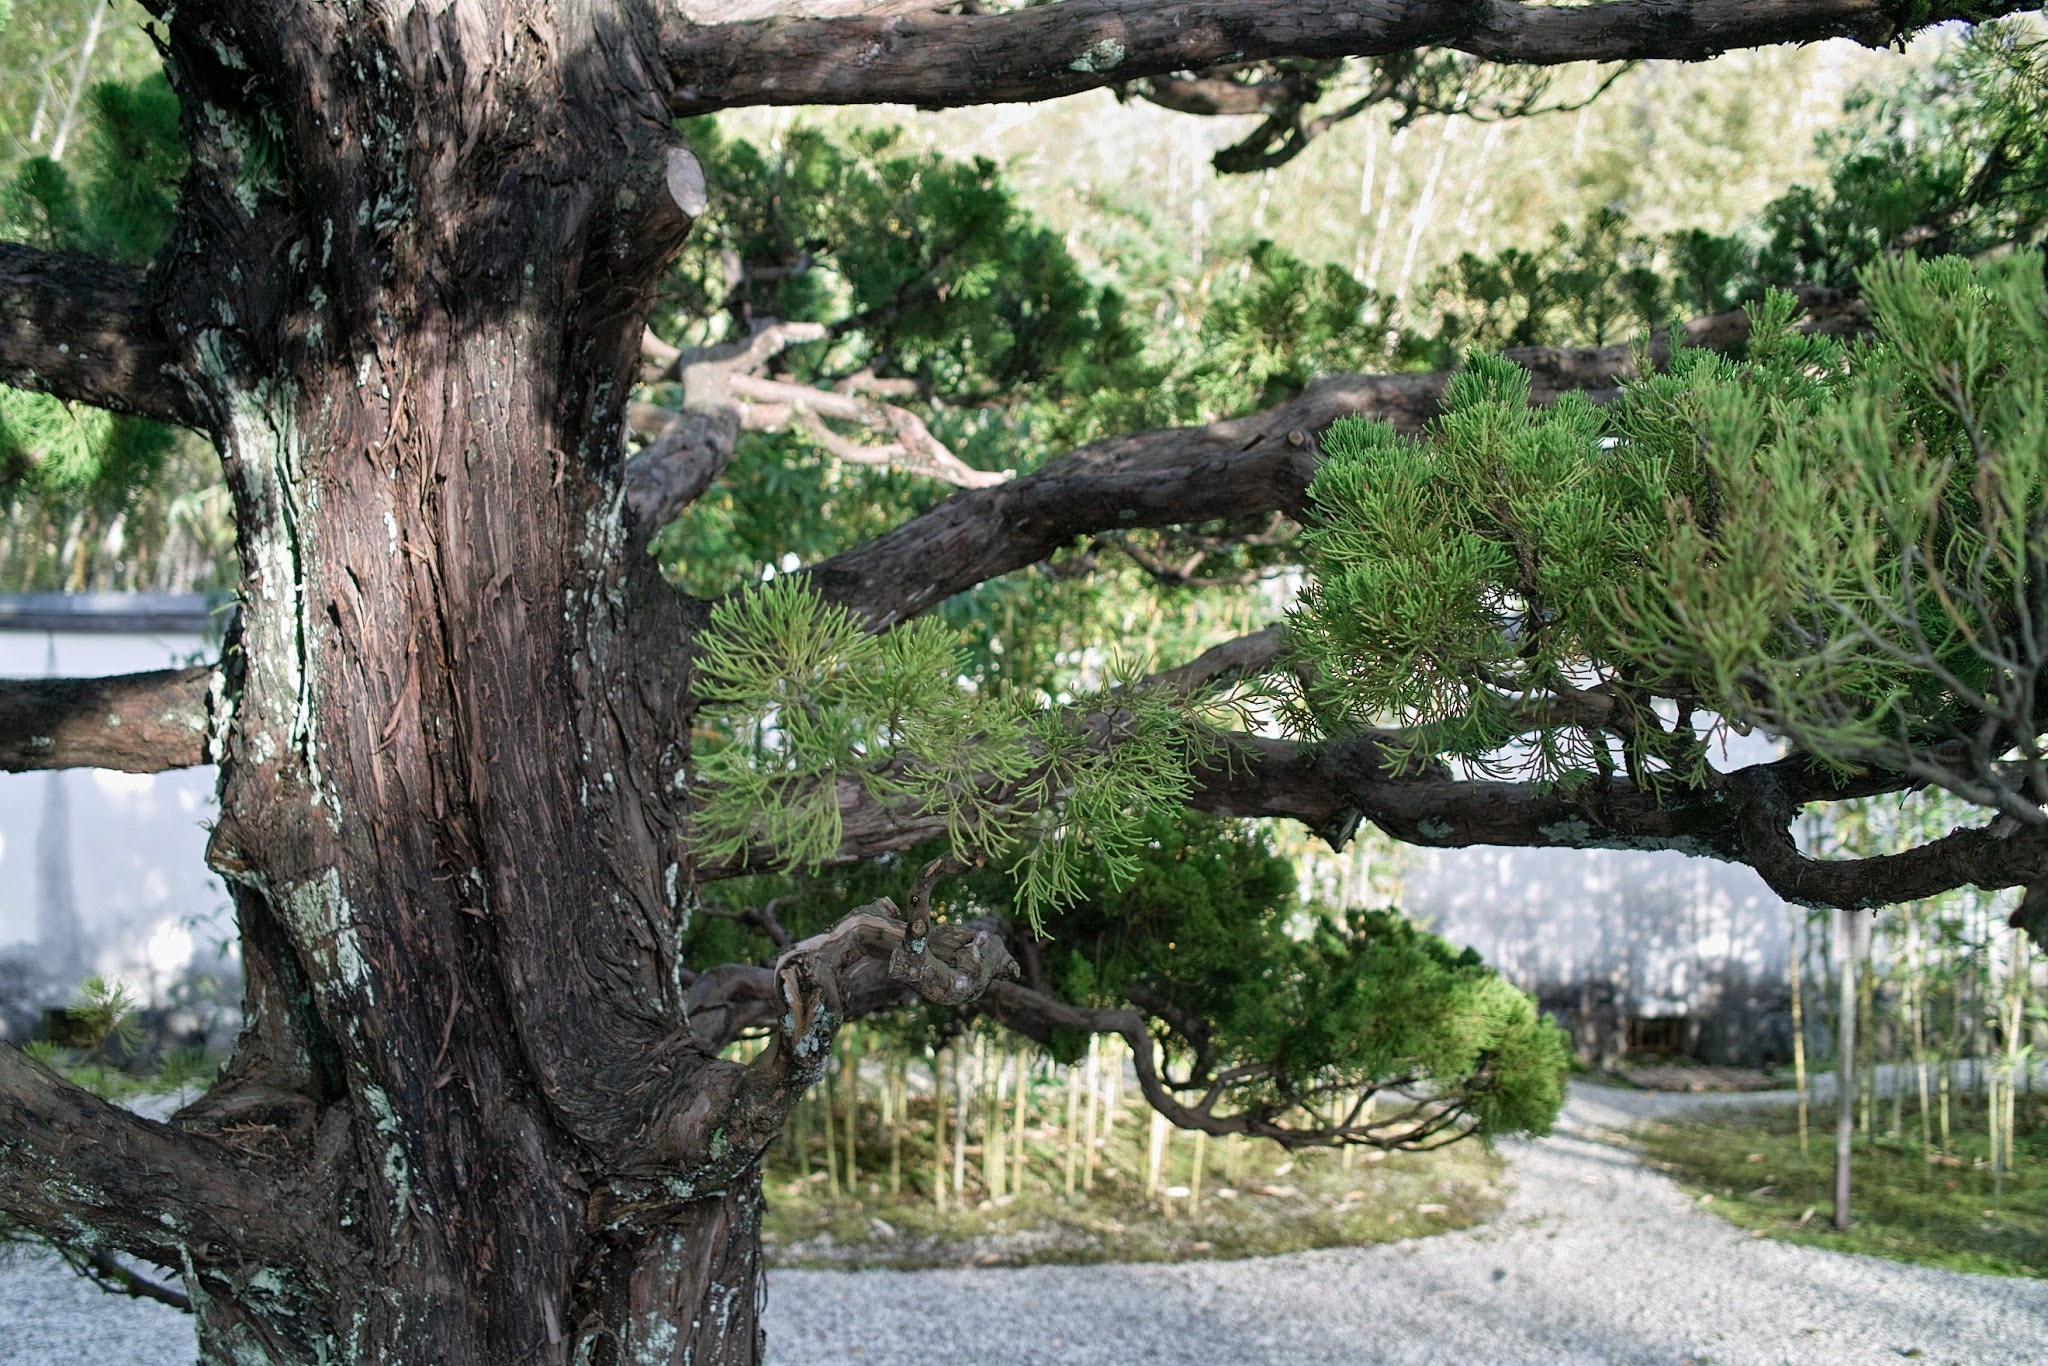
x: 414, y: 254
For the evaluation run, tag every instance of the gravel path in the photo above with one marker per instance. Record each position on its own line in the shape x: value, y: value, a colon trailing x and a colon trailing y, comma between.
x: 1595, y: 1259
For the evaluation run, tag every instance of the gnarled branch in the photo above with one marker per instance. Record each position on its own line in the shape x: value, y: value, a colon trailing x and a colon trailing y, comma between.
x: 724, y: 394
x: 93, y: 1174
x: 872, y: 960
x: 1233, y: 468
x: 83, y: 329
x: 1046, y: 51
x: 137, y: 723
x: 1745, y: 817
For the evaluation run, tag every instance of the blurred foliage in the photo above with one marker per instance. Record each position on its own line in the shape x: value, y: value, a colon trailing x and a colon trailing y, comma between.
x: 88, y: 494
x: 1952, y: 160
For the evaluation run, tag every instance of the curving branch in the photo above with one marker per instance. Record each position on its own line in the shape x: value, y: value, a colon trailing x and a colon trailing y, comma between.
x: 1046, y: 51
x: 725, y: 394
x: 137, y: 723
x: 1233, y: 468
x: 93, y: 1174
x: 1412, y: 84
x: 1417, y: 1121
x: 734, y: 999
x: 85, y: 330
x: 1745, y: 817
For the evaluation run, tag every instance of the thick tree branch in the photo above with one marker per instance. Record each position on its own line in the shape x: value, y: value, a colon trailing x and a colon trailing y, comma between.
x: 137, y: 723
x: 1745, y: 817
x: 872, y: 960
x: 83, y: 329
x: 1046, y: 51
x: 93, y: 1174
x: 1233, y: 468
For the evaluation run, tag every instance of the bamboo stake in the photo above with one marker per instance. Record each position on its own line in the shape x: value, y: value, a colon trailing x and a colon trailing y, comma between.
x: 1155, y: 1152
x: 1798, y: 1020
x: 994, y: 1148
x: 1866, y: 1036
x: 1917, y: 970
x: 803, y: 1139
x: 1020, y: 1121
x: 1089, y: 1154
x: 1070, y: 1134
x: 1195, y: 1181
x: 1845, y: 1065
x: 851, y: 1066
x: 1113, y: 1058
x: 939, y: 1128
x: 960, y: 1125
x: 831, y: 1138
x: 895, y: 1095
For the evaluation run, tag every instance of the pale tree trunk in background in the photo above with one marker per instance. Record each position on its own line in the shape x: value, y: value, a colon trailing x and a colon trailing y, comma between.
x: 1852, y: 937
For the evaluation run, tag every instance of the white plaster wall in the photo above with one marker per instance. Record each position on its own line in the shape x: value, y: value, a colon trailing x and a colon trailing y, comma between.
x: 148, y: 907
x: 1672, y: 934
x: 1669, y: 932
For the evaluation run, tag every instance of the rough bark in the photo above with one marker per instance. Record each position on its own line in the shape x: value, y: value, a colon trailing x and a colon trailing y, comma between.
x: 450, y: 805
x: 86, y: 330
x: 94, y: 1174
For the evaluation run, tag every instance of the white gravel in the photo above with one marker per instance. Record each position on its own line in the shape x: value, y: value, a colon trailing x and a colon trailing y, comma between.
x: 1595, y: 1259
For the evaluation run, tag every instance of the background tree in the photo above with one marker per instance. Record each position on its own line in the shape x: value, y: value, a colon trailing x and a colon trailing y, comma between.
x: 480, y: 757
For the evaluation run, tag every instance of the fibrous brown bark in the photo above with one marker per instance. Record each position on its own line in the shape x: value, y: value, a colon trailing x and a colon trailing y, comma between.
x: 85, y: 330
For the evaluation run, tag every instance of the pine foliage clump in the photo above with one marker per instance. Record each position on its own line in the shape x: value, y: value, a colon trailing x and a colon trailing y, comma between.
x: 65, y: 464
x: 1301, y: 1007
x: 1843, y: 544
x: 808, y: 703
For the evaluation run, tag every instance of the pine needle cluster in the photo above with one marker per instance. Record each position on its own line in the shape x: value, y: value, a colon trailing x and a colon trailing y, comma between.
x: 811, y: 709
x: 1840, y: 543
